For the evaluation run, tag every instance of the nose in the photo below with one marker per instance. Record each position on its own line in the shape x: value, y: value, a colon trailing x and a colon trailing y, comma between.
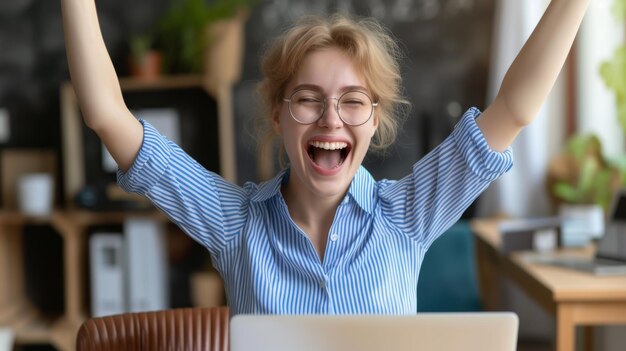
x: 330, y: 118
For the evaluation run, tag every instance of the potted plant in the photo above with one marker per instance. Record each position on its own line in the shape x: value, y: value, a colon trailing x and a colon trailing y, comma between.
x: 581, y: 182
x: 145, y: 61
x: 183, y: 34
x: 582, y: 175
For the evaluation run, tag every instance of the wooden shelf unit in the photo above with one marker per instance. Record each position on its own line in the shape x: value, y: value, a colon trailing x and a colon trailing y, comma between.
x: 16, y: 311
x: 222, y: 70
x: 72, y: 125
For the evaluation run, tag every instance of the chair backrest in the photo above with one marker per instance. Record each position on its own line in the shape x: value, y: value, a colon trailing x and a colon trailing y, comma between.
x: 448, y: 280
x: 175, y: 329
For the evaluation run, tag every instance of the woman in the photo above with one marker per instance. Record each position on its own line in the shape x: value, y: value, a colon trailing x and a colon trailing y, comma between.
x: 322, y: 236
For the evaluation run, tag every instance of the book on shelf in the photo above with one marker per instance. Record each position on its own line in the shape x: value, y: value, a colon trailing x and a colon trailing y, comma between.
x: 522, y: 234
x: 146, y: 256
x: 107, y: 274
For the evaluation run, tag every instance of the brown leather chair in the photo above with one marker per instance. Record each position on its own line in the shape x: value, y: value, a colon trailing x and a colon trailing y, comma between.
x: 198, y: 328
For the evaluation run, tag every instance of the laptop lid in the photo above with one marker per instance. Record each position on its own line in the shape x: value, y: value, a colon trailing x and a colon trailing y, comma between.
x: 612, y: 245
x: 484, y: 331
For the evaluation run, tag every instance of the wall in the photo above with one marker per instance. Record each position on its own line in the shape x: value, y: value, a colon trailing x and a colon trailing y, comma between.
x: 33, y: 62
x: 446, y: 45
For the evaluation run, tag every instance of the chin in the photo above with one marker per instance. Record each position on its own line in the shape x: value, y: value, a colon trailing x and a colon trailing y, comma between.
x: 332, y: 186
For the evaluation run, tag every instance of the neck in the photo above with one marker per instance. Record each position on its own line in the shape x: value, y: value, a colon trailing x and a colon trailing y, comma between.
x: 313, y: 213
x: 309, y: 210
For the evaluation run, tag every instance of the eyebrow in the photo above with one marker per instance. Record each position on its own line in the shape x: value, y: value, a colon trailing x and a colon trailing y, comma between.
x: 319, y: 89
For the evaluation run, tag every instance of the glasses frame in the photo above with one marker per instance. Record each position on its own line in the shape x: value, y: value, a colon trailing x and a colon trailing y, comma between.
x: 374, y: 105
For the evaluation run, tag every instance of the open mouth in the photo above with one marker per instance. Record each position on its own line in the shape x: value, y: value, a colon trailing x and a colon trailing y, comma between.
x: 328, y: 155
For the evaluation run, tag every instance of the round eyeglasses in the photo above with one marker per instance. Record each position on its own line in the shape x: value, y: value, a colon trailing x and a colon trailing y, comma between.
x: 354, y: 108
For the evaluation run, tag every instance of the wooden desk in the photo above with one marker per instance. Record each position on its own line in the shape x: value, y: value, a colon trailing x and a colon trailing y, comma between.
x: 574, y: 298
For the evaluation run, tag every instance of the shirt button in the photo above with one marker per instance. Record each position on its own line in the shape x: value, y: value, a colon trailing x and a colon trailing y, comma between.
x: 322, y: 284
x: 334, y: 237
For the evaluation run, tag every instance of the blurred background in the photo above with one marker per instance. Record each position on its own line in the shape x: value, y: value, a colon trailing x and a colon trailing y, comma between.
x: 455, y: 54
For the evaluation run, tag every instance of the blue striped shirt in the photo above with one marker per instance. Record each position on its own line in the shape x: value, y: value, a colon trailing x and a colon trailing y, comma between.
x: 376, y: 243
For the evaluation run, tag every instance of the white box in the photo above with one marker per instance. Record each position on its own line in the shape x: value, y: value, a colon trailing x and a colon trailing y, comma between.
x: 146, y: 255
x: 107, y: 274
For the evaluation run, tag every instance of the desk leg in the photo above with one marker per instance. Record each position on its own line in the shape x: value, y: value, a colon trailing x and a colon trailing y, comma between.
x: 64, y: 331
x: 12, y: 295
x: 565, y: 328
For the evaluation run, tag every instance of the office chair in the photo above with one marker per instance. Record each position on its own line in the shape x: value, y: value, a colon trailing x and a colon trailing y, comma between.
x: 197, y: 328
x: 448, y: 280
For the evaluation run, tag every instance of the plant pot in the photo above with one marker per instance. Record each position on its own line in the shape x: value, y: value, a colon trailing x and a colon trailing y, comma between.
x: 580, y: 224
x: 148, y: 66
x: 223, y: 55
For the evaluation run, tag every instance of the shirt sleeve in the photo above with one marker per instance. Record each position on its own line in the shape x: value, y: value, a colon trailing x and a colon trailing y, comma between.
x: 444, y: 183
x: 200, y: 202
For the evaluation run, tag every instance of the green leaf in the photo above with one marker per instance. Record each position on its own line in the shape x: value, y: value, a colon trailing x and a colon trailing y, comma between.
x: 182, y: 30
x: 588, y: 174
x: 602, y: 187
x: 613, y: 72
x: 621, y: 113
x: 619, y: 9
x: 566, y: 192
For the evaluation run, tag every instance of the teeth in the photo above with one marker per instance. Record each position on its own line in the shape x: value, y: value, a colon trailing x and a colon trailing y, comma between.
x: 329, y: 145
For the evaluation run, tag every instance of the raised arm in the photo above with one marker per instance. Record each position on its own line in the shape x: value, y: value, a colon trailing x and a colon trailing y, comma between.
x: 533, y: 73
x: 96, y: 84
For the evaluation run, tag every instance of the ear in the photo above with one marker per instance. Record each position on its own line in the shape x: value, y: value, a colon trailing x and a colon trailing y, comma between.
x: 276, y: 122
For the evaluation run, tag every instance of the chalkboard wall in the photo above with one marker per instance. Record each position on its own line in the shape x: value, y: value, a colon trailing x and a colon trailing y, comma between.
x: 446, y: 44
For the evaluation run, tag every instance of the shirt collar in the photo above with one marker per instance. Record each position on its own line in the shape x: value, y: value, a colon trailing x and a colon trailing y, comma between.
x: 362, y: 189
x: 271, y: 187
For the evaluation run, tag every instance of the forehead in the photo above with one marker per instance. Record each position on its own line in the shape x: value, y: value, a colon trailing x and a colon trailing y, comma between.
x: 330, y: 69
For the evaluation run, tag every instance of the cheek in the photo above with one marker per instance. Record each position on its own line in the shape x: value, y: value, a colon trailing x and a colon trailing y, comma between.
x: 375, y: 125
x: 364, y: 145
x: 291, y: 136
x: 369, y: 134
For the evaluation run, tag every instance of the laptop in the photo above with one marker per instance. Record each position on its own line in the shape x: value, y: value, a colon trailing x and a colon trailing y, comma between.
x: 610, y: 257
x: 476, y: 331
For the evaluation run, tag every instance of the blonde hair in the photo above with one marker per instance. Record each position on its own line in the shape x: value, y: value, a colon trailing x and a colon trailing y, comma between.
x: 375, y: 54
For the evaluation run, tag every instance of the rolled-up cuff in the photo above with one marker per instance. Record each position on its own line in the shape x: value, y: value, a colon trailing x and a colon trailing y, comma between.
x: 485, y: 162
x: 151, y: 162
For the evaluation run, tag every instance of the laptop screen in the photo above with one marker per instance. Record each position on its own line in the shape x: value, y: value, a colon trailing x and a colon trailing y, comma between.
x: 613, y: 243
x: 619, y: 211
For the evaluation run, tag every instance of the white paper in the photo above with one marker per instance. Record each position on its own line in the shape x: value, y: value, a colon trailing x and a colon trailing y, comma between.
x: 107, y: 274
x: 147, y: 264
x: 165, y: 120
